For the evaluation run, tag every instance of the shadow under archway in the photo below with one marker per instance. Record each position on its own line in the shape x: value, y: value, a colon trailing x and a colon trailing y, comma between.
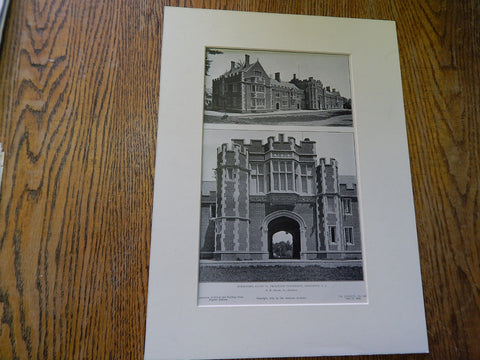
x: 288, y: 225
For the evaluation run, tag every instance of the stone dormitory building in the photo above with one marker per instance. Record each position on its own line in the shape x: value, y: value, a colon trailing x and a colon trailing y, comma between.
x: 247, y: 88
x: 265, y: 187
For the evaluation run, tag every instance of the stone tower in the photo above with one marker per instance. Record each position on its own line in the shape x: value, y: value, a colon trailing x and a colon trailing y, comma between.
x: 329, y: 208
x: 232, y: 202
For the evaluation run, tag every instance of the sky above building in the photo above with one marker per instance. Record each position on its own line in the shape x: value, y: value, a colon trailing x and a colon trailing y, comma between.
x: 332, y: 69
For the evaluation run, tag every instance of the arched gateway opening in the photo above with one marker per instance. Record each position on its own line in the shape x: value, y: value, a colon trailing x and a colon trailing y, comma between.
x: 283, y: 238
x: 291, y: 227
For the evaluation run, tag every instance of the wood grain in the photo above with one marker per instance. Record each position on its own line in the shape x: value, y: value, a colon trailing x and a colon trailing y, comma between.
x: 79, y: 87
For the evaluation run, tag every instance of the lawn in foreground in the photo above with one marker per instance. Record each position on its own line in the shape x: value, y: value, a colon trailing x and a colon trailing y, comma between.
x: 263, y: 273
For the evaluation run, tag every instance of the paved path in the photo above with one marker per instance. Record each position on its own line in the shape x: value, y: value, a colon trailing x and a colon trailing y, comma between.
x: 340, y: 117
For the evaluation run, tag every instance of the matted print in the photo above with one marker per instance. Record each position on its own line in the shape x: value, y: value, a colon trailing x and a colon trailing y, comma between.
x: 279, y: 220
x: 265, y: 256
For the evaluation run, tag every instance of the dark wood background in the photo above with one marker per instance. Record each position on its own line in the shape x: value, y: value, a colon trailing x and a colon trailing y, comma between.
x: 78, y: 120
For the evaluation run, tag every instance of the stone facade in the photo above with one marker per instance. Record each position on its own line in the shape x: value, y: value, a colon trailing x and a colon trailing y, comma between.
x: 265, y: 188
x: 248, y: 88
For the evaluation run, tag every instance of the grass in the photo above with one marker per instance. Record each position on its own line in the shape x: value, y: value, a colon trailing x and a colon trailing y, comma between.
x: 336, y: 117
x: 258, y: 273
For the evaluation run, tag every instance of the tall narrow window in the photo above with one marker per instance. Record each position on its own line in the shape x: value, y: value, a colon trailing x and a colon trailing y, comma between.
x: 276, y: 176
x: 303, y: 169
x: 298, y: 184
x: 257, y: 184
x: 347, y: 206
x: 348, y: 234
x: 289, y: 176
x: 261, y: 181
x: 283, y: 176
x: 333, y: 235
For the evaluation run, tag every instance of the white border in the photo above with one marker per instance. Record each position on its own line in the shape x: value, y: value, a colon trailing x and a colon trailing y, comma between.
x: 394, y: 319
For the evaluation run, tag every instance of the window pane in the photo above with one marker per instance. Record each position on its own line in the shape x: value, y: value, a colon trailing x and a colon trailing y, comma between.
x: 290, y: 182
x: 275, y: 182
x: 332, y: 234
x: 283, y: 182
x: 349, y: 235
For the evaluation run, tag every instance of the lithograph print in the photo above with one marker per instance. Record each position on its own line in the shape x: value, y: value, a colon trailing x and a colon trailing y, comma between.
x: 279, y: 221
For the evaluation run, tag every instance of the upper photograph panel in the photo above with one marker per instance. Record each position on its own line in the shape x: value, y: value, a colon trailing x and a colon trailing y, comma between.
x: 254, y: 87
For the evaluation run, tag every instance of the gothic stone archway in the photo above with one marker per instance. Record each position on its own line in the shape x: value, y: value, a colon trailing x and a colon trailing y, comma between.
x: 287, y: 221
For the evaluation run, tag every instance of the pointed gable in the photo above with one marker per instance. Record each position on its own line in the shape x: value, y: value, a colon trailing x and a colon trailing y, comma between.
x: 255, y: 69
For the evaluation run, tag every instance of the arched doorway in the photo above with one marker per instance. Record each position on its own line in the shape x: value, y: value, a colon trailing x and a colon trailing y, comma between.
x: 284, y: 238
x: 290, y: 222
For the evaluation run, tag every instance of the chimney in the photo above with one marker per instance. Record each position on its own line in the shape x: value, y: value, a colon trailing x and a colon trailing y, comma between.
x: 310, y: 78
x: 270, y: 140
x: 247, y: 59
x: 232, y: 65
x: 294, y: 76
x: 280, y: 138
x: 333, y: 90
x: 328, y: 88
x: 277, y: 76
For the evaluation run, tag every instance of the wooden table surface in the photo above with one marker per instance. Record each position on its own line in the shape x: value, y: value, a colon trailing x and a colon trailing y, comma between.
x: 78, y: 120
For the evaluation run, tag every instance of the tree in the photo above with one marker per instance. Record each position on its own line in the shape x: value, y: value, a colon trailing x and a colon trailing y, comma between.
x: 347, y: 104
x: 208, y: 61
x: 282, y: 250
